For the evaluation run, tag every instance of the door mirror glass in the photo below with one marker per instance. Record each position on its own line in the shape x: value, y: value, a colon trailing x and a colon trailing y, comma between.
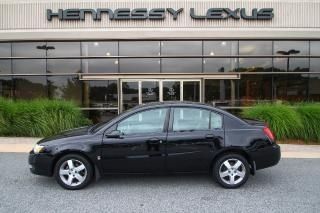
x: 114, y: 134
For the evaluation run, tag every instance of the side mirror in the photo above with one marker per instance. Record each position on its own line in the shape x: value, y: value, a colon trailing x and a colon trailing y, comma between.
x: 114, y: 134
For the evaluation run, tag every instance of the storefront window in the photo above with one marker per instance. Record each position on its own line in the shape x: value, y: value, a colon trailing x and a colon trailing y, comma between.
x: 5, y: 64
x: 255, y: 88
x: 29, y: 66
x: 30, y: 87
x: 183, y: 48
x: 65, y: 88
x: 291, y: 87
x: 291, y: 48
x: 61, y: 49
x: 100, y: 115
x: 139, y: 48
x: 29, y: 49
x: 102, y: 65
x: 252, y: 48
x: 221, y: 92
x: 100, y: 94
x: 314, y: 79
x: 214, y: 48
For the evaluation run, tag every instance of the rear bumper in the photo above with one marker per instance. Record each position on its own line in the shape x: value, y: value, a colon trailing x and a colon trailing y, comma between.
x: 267, y: 156
x: 41, y: 164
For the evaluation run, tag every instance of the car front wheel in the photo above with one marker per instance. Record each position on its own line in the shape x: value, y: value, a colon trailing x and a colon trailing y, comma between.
x: 73, y: 172
x: 231, y: 170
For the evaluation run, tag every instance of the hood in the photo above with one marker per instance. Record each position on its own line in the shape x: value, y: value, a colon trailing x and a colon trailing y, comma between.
x: 70, y: 133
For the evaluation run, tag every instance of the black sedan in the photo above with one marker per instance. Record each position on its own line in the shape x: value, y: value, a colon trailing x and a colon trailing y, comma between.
x: 172, y: 137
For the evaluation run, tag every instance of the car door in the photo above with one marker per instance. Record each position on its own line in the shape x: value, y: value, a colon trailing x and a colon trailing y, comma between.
x: 140, y: 145
x: 194, y: 135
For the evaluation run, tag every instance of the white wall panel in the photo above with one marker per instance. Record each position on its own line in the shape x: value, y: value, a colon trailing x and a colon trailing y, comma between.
x: 30, y: 16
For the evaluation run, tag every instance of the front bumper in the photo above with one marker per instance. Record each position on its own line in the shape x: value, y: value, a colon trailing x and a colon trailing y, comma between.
x: 41, y: 164
x: 267, y: 156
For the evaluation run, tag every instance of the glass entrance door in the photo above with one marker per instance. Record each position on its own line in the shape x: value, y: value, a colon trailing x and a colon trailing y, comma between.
x: 135, y: 92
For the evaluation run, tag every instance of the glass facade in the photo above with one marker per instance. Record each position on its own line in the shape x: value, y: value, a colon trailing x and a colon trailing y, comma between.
x: 270, y: 70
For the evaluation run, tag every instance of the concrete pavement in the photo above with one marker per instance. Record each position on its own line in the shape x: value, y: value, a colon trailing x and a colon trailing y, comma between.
x: 25, y: 144
x: 290, y: 186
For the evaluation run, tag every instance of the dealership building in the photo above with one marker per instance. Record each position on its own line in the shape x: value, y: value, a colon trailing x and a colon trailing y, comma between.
x: 109, y: 56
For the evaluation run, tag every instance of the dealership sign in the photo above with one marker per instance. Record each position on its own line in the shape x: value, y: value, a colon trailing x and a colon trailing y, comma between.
x: 160, y: 14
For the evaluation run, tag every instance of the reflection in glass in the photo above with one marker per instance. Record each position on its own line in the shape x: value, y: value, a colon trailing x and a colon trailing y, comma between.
x: 29, y: 66
x: 291, y: 64
x: 139, y: 48
x: 5, y: 49
x: 62, y: 66
x: 187, y: 119
x: 5, y: 66
x: 255, y: 48
x: 292, y: 87
x: 314, y: 79
x: 98, y: 116
x: 191, y: 91
x: 100, y: 94
x: 99, y: 48
x: 30, y: 87
x: 171, y: 90
x: 150, y: 91
x: 99, y: 65
x: 149, y: 121
x: 181, y: 65
x: 220, y: 92
x: 213, y: 48
x: 29, y: 49
x: 130, y: 95
x: 181, y: 48
x: 60, y: 49
x: 65, y: 88
x: 145, y: 65
x: 6, y: 87
x: 255, y: 88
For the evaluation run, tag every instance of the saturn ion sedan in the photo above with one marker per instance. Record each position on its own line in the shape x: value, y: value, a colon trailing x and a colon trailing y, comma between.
x: 172, y: 137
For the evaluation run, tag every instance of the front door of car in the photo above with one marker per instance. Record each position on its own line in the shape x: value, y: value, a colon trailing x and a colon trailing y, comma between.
x: 194, y: 136
x: 136, y: 144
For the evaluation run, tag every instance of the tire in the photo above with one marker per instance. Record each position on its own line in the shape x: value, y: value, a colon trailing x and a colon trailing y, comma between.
x: 236, y: 175
x: 73, y: 172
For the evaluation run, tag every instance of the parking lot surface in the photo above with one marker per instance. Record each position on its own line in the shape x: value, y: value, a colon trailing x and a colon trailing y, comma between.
x: 291, y: 186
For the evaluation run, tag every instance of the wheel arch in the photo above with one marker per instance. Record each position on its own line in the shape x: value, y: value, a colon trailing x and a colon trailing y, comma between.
x: 234, y: 150
x: 96, y: 171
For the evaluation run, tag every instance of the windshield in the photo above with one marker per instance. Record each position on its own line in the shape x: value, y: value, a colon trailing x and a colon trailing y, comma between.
x: 98, y: 126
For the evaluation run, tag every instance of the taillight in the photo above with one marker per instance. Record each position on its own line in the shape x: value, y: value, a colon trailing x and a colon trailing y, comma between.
x: 268, y: 133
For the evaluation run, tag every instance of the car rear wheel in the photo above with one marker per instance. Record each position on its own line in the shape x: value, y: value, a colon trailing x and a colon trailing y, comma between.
x: 231, y: 170
x: 73, y: 172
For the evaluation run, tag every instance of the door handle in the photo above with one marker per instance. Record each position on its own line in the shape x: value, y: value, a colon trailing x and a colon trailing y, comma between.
x: 209, y: 136
x: 154, y: 141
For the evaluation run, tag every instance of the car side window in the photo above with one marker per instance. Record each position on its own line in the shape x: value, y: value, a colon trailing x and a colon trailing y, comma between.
x: 216, y: 121
x: 188, y: 119
x: 149, y: 121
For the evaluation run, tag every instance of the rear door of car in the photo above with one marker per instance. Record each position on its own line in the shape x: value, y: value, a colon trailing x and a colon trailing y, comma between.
x: 194, y: 135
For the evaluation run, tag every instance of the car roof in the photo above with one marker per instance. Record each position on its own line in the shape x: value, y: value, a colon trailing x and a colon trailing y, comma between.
x: 171, y: 103
x: 175, y: 103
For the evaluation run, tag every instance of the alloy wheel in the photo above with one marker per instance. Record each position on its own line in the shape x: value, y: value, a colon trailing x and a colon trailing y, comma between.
x: 232, y: 171
x: 73, y: 172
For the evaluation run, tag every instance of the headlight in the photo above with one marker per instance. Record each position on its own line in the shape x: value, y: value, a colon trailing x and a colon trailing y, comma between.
x: 38, y: 148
